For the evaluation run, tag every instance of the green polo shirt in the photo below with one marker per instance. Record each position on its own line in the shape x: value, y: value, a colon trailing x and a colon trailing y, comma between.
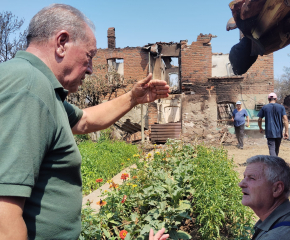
x: 280, y: 214
x: 39, y: 157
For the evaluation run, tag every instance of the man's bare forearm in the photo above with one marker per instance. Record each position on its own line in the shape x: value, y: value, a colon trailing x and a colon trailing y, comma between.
x: 260, y: 123
x: 285, y: 121
x: 104, y: 115
x: 12, y: 225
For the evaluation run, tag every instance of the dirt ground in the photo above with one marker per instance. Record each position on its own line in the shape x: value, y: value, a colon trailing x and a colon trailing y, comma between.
x: 252, y: 147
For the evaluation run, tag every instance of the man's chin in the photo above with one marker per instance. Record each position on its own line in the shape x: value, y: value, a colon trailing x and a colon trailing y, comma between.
x: 245, y: 201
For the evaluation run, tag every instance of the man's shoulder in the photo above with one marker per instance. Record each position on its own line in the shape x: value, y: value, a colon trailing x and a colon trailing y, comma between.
x: 281, y: 233
x: 280, y: 106
x: 19, y: 75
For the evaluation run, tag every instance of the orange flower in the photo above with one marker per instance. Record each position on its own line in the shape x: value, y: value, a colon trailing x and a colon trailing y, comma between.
x: 134, y: 177
x: 123, y: 234
x: 124, y: 176
x: 114, y: 185
x: 99, y: 180
x: 101, y: 203
x: 124, y: 199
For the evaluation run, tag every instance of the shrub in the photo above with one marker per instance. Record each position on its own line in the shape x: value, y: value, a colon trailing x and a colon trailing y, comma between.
x: 197, y: 183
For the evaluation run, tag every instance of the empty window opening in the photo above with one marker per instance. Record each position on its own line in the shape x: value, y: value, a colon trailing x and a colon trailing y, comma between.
x: 172, y: 72
x: 116, y: 70
x: 173, y: 80
x: 174, y: 62
x: 225, y: 113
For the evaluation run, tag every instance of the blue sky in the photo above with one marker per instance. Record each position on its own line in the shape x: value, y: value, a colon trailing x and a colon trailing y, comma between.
x: 138, y: 22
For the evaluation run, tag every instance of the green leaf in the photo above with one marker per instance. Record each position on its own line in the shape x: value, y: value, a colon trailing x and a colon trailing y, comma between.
x: 145, y: 229
x: 107, y: 234
x: 115, y: 222
x: 109, y: 215
x: 134, y: 216
x: 184, y: 205
x: 163, y: 205
x: 128, y: 236
x: 183, y: 235
x: 173, y: 235
x: 148, y: 218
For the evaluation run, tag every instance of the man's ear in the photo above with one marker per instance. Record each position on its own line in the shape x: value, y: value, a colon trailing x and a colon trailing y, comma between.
x: 62, y: 40
x: 278, y: 189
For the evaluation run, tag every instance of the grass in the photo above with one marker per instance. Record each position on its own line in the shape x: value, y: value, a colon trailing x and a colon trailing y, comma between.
x: 104, y: 160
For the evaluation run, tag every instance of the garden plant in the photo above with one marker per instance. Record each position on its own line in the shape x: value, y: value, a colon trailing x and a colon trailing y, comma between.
x: 103, y: 160
x: 190, y: 190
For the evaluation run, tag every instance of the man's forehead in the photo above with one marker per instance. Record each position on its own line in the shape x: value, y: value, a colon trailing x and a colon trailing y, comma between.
x: 256, y: 169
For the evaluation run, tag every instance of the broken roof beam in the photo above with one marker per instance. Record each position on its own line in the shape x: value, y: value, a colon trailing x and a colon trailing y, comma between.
x: 272, y: 13
x: 170, y: 50
x: 278, y: 37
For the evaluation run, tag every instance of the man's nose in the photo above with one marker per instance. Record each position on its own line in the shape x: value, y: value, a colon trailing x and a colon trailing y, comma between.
x: 241, y: 184
x: 89, y: 70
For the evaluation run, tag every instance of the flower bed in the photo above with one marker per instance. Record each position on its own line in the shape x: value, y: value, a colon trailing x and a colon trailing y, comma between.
x: 190, y: 190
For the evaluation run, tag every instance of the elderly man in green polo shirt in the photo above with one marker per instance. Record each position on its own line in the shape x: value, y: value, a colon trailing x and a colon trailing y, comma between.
x: 40, y: 181
x: 266, y: 188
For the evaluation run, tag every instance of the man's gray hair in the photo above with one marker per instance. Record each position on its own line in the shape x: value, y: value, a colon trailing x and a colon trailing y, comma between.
x: 276, y: 169
x: 57, y: 17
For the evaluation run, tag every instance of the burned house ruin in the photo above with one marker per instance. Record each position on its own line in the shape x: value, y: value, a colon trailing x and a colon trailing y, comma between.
x: 203, y: 87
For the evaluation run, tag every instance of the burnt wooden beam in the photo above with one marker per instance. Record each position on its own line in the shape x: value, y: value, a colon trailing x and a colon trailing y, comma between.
x: 272, y: 13
x: 278, y: 37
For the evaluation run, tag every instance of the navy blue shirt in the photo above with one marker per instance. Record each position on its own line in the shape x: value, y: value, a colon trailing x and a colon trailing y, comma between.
x: 273, y: 113
x: 239, y: 117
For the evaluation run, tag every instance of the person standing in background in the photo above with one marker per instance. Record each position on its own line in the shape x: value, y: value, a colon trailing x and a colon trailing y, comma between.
x: 238, y: 118
x: 275, y: 118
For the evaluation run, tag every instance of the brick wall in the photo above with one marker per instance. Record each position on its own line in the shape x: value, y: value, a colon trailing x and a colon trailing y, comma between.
x: 196, y: 69
x: 135, y: 64
x: 152, y: 113
x: 196, y: 62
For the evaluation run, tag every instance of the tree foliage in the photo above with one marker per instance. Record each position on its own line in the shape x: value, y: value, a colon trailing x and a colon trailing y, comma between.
x: 11, y: 38
x: 282, y: 85
x: 96, y: 88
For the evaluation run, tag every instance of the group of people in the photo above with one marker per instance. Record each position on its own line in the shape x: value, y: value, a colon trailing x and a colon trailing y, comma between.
x: 40, y: 181
x: 275, y: 121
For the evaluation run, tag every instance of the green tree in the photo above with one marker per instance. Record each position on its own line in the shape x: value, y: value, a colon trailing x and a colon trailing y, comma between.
x: 12, y: 38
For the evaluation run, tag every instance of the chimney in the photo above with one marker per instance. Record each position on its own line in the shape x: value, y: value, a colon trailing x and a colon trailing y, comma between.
x: 111, y: 38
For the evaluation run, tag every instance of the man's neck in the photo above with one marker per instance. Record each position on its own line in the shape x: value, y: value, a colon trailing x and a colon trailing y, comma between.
x: 40, y: 52
x: 264, y: 214
x: 46, y: 54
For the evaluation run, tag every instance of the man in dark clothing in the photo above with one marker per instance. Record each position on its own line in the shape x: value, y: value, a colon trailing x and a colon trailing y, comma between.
x: 275, y: 118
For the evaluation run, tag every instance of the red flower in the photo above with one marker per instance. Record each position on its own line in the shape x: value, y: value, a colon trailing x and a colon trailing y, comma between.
x: 99, y: 180
x: 124, y: 199
x: 124, y: 176
x: 123, y: 234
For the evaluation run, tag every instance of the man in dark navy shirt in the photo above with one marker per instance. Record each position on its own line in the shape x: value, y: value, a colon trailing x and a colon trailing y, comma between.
x: 275, y: 118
